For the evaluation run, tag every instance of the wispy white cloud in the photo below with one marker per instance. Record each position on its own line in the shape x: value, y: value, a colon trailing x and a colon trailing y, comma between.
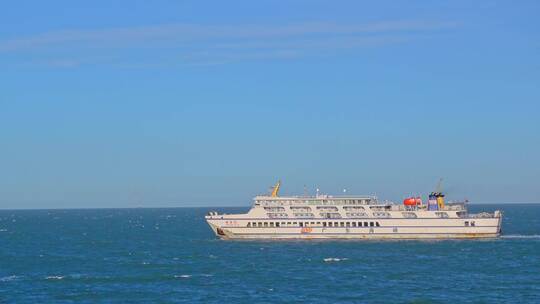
x: 220, y: 43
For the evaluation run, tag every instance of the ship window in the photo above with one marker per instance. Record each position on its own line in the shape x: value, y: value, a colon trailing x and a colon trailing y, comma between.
x: 409, y: 215
x: 336, y: 224
x: 365, y: 224
x: 371, y: 224
x: 274, y: 209
x: 318, y: 223
x: 259, y: 224
x: 441, y: 214
x: 265, y: 224
x: 329, y: 224
x: 354, y: 224
x: 348, y: 224
x: 249, y: 224
x: 461, y: 213
x: 301, y: 224
x: 473, y: 223
x: 271, y: 224
x: 466, y: 223
x: 288, y: 223
x: 324, y: 224
x: 312, y: 223
x: 294, y: 223
x: 381, y: 214
x: 277, y: 224
x: 282, y: 223
x: 377, y: 224
x: 342, y: 224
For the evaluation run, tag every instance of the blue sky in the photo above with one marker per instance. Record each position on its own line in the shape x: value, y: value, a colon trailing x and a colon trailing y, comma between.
x: 193, y: 103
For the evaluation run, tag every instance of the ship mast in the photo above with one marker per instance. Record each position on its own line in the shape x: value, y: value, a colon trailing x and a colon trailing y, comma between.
x: 275, y: 190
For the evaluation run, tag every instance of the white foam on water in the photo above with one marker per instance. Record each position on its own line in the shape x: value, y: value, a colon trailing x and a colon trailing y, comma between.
x: 3, y: 230
x: 9, y: 278
x: 521, y: 236
x: 54, y: 277
x: 335, y: 259
x: 183, y: 276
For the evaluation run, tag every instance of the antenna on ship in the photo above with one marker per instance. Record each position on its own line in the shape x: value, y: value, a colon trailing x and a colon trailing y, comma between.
x: 439, y: 186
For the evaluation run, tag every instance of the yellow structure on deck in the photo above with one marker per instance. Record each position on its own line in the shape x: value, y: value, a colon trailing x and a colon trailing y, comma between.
x: 440, y: 200
x: 439, y: 194
x: 275, y: 190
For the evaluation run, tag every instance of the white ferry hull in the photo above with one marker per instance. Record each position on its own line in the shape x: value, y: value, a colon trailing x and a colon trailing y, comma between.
x: 361, y: 237
x: 445, y: 229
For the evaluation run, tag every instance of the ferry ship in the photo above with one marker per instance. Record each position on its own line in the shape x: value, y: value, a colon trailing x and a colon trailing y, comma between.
x: 354, y: 217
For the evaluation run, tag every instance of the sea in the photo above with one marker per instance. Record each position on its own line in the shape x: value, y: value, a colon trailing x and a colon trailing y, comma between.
x: 169, y: 255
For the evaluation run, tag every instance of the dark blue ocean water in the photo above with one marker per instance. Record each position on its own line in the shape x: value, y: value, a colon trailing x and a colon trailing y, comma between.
x: 171, y: 256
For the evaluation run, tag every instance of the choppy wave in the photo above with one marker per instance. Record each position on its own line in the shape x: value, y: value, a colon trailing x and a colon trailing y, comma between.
x: 54, y: 277
x: 334, y: 259
x: 183, y: 276
x: 521, y: 236
x: 9, y: 278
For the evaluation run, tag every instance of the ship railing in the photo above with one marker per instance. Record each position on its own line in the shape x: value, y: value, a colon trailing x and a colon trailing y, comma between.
x: 482, y: 215
x: 456, y: 207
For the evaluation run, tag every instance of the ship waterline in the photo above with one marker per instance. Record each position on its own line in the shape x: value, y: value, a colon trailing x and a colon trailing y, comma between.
x: 353, y: 217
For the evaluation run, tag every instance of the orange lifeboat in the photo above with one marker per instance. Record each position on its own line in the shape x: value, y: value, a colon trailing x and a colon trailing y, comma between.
x: 412, y: 201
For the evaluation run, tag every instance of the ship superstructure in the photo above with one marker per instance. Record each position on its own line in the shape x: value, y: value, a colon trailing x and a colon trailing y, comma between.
x: 354, y: 217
